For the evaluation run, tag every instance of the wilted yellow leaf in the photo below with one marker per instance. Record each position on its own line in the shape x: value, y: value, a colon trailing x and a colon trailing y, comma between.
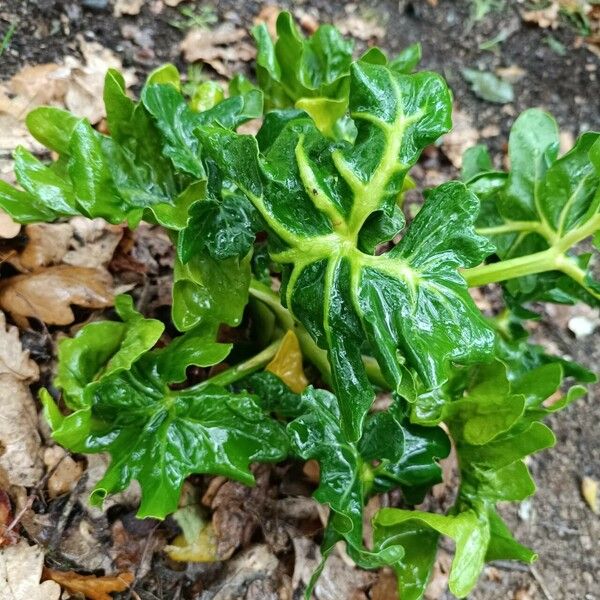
x: 589, y: 491
x: 287, y: 363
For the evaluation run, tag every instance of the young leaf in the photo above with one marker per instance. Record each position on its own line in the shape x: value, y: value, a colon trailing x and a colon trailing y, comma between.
x: 494, y: 422
x: 536, y: 214
x: 124, y: 405
x: 102, y: 348
x: 316, y: 196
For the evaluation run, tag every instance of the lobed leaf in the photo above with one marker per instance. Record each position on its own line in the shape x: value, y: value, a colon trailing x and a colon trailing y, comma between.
x: 318, y: 197
x: 543, y: 207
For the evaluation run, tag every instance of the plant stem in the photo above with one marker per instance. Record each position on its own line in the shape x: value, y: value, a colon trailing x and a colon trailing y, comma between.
x: 509, y: 269
x: 240, y: 370
x: 317, y: 356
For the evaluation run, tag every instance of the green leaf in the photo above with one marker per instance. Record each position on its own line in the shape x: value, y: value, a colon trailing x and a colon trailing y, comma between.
x: 207, y: 291
x: 102, y: 348
x: 494, y: 420
x: 541, y: 209
x: 159, y: 437
x: 176, y: 122
x: 407, y: 60
x: 52, y: 127
x: 475, y: 160
x: 470, y: 533
x: 315, y: 197
x: 222, y: 229
x: 488, y: 87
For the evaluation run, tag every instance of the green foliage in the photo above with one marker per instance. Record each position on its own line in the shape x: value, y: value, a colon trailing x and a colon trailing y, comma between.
x: 314, y: 202
x: 536, y: 213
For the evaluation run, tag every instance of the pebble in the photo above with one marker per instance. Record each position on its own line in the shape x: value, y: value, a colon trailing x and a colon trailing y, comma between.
x: 95, y: 4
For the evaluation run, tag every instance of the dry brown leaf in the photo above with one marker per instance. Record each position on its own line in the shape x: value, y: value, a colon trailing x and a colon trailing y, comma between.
x: 268, y: 15
x: 127, y: 7
x: 19, y: 438
x: 48, y: 294
x: 93, y: 243
x: 512, y: 73
x: 66, y: 474
x: 385, y: 587
x: 544, y: 17
x: 91, y: 586
x: 8, y: 228
x: 462, y: 136
x: 438, y: 582
x: 237, y: 511
x: 361, y: 28
x: 338, y: 580
x: 223, y: 48
x: 47, y: 245
x: 589, y: 491
x: 20, y: 573
x: 74, y: 84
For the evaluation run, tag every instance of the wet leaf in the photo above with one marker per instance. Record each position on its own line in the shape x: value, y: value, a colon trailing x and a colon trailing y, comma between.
x: 287, y: 363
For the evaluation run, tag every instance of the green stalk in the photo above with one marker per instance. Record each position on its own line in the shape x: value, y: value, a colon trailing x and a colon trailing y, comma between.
x: 240, y: 370
x: 317, y: 356
x: 509, y: 269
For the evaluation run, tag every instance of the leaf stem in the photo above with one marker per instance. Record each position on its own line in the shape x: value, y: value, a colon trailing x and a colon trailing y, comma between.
x: 240, y: 370
x: 509, y: 269
x: 317, y: 356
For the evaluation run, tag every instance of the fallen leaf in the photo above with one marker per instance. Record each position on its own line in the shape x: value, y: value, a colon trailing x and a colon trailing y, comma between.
x: 48, y: 294
x: 268, y: 15
x: 252, y: 575
x: 8, y: 228
x: 238, y: 511
x: 20, y: 573
x: 47, y: 244
x: 385, y: 587
x: 512, y: 74
x: 462, y: 136
x: 361, y: 28
x: 66, y: 474
x: 19, y: 438
x: 93, y: 243
x: 75, y: 84
x: 544, y: 17
x: 589, y: 491
x: 224, y: 48
x: 338, y: 580
x: 287, y: 363
x: 487, y: 86
x: 173, y: 3
x: 197, y: 542
x: 127, y: 7
x: 91, y: 586
x: 7, y: 538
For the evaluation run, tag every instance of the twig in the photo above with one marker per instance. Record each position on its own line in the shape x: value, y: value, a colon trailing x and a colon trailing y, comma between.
x: 508, y: 565
x: 540, y: 581
x: 31, y: 499
x: 142, y: 559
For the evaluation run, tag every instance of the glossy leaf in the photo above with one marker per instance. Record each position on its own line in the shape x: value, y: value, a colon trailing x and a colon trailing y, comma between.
x: 541, y: 209
x: 494, y: 421
x: 102, y: 348
x: 315, y: 196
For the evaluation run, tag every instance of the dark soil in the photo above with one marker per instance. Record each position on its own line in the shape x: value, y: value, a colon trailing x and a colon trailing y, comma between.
x: 557, y: 522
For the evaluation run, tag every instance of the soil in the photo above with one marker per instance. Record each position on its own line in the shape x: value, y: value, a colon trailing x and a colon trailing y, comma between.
x: 556, y: 522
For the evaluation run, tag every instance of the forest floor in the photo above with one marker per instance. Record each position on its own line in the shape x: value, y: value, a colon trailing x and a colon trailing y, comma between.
x: 550, y: 58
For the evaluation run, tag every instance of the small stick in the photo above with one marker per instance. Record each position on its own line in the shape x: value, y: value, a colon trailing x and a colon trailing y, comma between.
x: 538, y: 577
